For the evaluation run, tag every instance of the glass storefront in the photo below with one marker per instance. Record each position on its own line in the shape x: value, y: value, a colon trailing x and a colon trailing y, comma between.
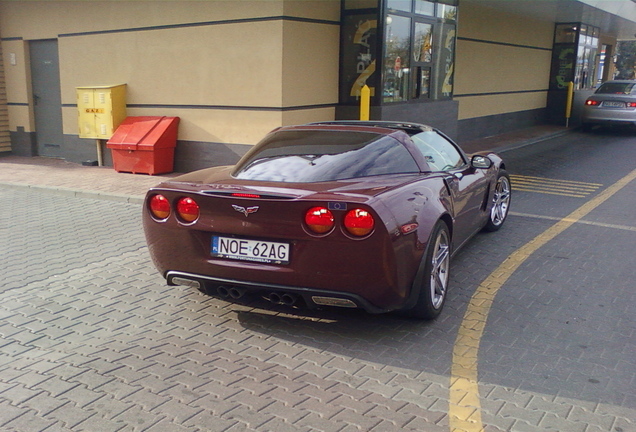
x: 574, y: 56
x: 419, y: 50
x: 404, y: 50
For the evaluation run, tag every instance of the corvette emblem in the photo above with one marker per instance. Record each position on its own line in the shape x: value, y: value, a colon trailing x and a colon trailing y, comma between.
x: 246, y: 211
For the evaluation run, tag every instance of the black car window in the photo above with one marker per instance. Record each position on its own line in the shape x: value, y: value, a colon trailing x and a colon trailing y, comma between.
x: 306, y: 156
x: 615, y: 88
x: 438, y: 152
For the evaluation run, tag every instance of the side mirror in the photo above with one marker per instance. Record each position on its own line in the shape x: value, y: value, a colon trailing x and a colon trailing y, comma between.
x: 481, y: 162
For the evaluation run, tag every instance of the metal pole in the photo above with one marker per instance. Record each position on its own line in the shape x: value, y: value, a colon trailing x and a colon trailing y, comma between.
x: 365, y: 102
x: 568, y: 103
x: 100, y: 153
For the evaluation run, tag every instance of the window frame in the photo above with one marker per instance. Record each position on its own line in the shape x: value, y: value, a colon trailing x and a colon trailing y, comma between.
x: 425, y: 81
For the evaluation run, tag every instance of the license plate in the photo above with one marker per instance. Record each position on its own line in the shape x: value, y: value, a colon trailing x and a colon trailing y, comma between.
x: 250, y: 250
x: 612, y: 104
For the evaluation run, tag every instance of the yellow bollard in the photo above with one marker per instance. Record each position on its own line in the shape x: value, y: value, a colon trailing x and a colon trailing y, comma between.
x: 568, y: 103
x: 365, y: 102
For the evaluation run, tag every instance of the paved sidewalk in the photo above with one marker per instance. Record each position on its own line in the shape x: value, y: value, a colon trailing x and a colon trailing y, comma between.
x: 105, y: 183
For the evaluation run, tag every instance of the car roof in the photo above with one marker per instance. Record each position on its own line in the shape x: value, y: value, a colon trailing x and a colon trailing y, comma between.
x: 623, y: 81
x: 379, y: 127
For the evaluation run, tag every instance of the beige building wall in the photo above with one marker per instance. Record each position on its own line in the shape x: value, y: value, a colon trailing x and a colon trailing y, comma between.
x: 5, y: 138
x: 502, y: 62
x: 231, y: 70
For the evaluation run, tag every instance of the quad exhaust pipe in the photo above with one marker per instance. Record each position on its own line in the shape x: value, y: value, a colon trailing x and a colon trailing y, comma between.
x: 232, y: 292
x: 235, y: 293
x: 284, y: 298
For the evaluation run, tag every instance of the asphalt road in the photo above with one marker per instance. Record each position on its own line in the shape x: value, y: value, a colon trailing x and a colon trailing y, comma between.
x: 91, y: 339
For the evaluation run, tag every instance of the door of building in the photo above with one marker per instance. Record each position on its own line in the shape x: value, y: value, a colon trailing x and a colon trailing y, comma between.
x: 47, y: 100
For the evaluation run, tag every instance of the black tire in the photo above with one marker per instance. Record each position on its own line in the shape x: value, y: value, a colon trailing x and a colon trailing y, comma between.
x: 500, y: 205
x: 433, y: 281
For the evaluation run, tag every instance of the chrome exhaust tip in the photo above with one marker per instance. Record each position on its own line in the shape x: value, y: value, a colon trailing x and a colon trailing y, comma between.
x: 333, y: 301
x: 181, y: 281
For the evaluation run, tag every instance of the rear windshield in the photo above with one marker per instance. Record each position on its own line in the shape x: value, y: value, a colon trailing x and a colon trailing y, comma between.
x: 305, y: 156
x: 615, y: 88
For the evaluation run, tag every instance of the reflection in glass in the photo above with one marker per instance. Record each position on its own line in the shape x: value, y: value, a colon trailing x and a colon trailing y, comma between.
x: 305, y: 156
x: 402, y: 5
x: 447, y: 12
x: 565, y: 33
x: 424, y: 7
x: 425, y: 83
x: 438, y: 152
x: 396, y: 58
x: 423, y: 49
x: 445, y: 61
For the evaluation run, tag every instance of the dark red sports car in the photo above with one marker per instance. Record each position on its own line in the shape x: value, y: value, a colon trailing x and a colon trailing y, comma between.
x: 347, y: 214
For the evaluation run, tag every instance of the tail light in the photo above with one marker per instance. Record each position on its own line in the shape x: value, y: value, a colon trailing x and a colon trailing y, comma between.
x: 159, y: 206
x: 319, y: 219
x: 187, y: 209
x: 359, y: 222
x: 245, y: 195
x: 591, y: 102
x: 631, y: 104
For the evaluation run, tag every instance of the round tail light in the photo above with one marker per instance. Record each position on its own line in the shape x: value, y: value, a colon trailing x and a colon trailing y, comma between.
x: 187, y: 209
x: 319, y: 219
x: 359, y: 222
x: 159, y: 206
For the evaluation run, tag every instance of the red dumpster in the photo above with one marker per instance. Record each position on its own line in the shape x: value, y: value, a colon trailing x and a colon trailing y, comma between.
x: 144, y: 145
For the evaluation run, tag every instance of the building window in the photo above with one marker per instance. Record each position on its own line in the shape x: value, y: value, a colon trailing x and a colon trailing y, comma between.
x: 397, y: 48
x: 574, y: 56
x: 419, y: 50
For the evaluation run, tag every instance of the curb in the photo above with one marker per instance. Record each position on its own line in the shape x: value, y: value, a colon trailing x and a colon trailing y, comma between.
x: 78, y: 193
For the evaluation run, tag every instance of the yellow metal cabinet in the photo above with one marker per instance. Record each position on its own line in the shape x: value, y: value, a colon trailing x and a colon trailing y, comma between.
x: 100, y: 109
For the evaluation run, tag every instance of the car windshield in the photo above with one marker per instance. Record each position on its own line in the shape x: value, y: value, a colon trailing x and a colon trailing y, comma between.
x: 616, y: 88
x: 305, y: 156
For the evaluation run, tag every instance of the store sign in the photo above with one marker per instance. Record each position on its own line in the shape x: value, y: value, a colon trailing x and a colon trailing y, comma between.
x: 563, y: 57
x: 359, y: 57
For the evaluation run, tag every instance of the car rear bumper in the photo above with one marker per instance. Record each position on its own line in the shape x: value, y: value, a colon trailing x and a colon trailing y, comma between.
x: 279, y: 294
x: 600, y: 115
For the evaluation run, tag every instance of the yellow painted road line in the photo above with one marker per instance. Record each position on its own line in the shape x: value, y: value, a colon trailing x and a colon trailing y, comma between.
x: 549, y: 192
x: 553, y: 186
x: 571, y: 182
x: 465, y: 407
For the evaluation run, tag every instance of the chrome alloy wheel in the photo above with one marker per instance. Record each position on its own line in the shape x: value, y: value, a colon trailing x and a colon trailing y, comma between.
x: 500, y: 201
x: 440, y: 263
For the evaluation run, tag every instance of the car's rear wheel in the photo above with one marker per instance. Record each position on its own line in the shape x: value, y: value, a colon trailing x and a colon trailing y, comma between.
x: 500, y: 202
x: 434, y: 281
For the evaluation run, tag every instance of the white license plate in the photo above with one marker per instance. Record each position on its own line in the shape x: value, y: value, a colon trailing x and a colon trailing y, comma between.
x: 250, y: 250
x: 612, y: 104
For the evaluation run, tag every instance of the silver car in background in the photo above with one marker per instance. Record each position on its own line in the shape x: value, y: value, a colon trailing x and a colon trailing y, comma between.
x: 614, y: 102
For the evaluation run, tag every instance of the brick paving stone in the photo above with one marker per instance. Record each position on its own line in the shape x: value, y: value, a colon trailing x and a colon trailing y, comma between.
x: 43, y: 403
x: 29, y: 421
x: 212, y: 421
x: 98, y: 424
x: 108, y: 407
x: 18, y: 394
x: 164, y: 425
x: 177, y: 411
x: 102, y: 344
x: 315, y: 421
x: 146, y: 400
x: 9, y: 412
x: 137, y: 419
x: 70, y: 415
